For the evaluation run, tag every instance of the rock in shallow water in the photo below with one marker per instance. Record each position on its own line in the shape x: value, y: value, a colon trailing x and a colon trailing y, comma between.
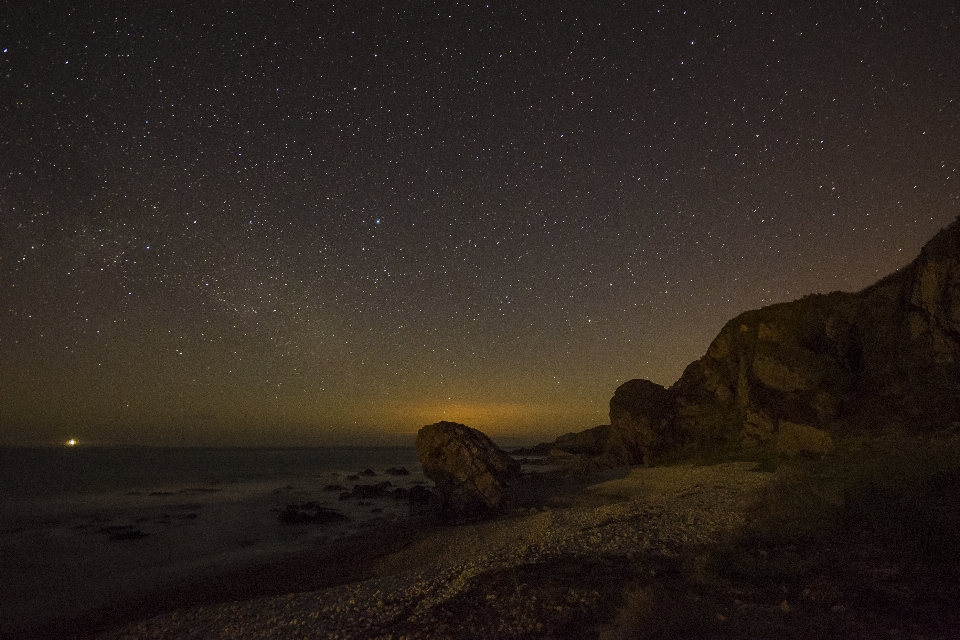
x: 368, y: 491
x: 310, y: 513
x: 472, y: 474
x: 397, y: 471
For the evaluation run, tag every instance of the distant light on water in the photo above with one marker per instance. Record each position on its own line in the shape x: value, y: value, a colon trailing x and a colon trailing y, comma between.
x: 72, y: 442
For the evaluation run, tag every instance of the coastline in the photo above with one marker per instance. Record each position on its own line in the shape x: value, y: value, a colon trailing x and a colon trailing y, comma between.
x: 329, y: 563
x: 85, y: 547
x: 788, y: 548
x: 424, y: 581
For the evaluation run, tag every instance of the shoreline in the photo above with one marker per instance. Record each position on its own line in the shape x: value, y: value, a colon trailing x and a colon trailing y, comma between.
x: 323, y: 556
x: 72, y: 565
x: 412, y: 581
x: 329, y: 563
x: 696, y: 548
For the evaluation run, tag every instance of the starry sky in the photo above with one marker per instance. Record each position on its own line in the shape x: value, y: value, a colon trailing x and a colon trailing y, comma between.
x: 307, y: 223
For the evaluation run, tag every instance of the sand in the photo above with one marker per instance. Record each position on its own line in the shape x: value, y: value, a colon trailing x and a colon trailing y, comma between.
x: 429, y: 588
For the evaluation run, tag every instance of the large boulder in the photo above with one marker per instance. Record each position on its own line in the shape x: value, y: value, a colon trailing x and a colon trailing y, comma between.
x: 641, y: 415
x: 473, y: 476
x: 588, y: 450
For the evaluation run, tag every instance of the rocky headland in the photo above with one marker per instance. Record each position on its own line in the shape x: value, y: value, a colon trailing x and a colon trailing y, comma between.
x: 792, y: 376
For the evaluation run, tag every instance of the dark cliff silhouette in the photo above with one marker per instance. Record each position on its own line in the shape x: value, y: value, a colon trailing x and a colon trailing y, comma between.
x: 885, y: 357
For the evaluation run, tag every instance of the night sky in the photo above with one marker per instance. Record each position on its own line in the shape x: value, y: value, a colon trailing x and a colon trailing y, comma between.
x: 314, y: 223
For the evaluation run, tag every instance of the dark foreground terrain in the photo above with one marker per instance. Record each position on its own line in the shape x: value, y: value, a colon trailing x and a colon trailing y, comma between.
x: 859, y: 543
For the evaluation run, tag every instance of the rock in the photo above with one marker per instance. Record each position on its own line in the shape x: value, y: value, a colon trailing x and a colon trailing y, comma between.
x: 542, y: 449
x: 369, y: 473
x: 582, y: 450
x: 641, y: 417
x: 889, y: 354
x: 473, y: 475
x: 641, y: 413
x: 758, y: 429
x: 794, y: 439
x: 397, y: 471
x: 933, y: 310
x: 310, y: 513
x: 368, y: 491
x: 797, y: 362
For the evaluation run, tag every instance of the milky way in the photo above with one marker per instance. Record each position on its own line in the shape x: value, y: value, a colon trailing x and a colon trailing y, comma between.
x: 300, y: 223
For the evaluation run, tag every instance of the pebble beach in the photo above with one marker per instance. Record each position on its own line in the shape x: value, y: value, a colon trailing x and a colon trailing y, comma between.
x: 448, y: 581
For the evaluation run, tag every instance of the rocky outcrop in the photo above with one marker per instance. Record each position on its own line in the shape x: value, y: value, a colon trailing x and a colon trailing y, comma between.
x: 368, y: 491
x: 588, y: 442
x: 588, y: 450
x: 397, y: 471
x: 310, y: 513
x: 888, y: 354
x: 788, y: 375
x: 796, y: 439
x: 641, y: 413
x: 932, y: 301
x: 473, y: 476
x: 798, y: 362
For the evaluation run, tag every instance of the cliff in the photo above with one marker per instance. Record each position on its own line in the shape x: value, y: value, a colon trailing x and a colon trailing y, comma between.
x: 886, y: 356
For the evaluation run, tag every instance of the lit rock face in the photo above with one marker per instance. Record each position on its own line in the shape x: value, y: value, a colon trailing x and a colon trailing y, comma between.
x: 790, y: 374
x: 796, y: 439
x: 640, y: 416
x: 797, y: 362
x: 473, y: 475
x: 933, y: 311
x: 887, y: 354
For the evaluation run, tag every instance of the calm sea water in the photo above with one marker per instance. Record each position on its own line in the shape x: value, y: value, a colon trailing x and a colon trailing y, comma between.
x: 44, y: 472
x: 194, y: 511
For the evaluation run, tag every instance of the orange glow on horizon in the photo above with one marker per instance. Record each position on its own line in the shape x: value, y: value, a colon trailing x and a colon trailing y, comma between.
x: 493, y: 418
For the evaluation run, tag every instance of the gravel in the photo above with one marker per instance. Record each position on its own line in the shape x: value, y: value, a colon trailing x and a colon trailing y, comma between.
x: 650, y: 512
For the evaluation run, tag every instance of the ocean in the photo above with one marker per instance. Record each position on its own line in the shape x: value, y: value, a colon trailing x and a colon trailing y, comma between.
x: 47, y: 472
x: 84, y: 527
